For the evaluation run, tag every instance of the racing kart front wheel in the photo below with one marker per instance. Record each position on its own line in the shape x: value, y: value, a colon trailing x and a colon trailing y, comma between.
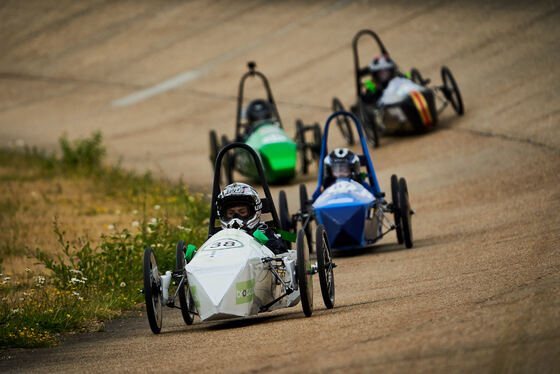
x: 451, y: 90
x: 185, y: 298
x: 405, y: 213
x: 304, y: 274
x: 343, y: 122
x: 396, y: 207
x: 325, y: 266
x: 152, y: 293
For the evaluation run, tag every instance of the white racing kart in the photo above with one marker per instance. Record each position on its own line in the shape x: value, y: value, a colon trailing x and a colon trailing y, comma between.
x: 233, y: 274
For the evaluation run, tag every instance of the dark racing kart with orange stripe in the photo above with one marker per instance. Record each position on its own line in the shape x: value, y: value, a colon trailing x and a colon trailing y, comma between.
x: 407, y: 103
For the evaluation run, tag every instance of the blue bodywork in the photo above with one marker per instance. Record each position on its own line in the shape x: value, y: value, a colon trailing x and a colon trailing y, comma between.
x: 347, y: 208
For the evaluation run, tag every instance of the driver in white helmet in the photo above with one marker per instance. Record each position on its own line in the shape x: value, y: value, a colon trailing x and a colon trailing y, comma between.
x: 239, y: 207
x: 382, y: 70
x: 341, y: 163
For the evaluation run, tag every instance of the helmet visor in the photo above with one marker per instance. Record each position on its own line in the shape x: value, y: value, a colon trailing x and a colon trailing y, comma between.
x: 240, y: 210
x: 341, y: 170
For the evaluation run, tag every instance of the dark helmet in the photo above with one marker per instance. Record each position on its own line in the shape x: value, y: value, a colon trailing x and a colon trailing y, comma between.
x: 237, y: 194
x: 259, y: 110
x: 383, y: 69
x: 342, y: 163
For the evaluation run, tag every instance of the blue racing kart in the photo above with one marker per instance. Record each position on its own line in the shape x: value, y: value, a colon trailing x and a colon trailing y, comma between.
x: 354, y: 213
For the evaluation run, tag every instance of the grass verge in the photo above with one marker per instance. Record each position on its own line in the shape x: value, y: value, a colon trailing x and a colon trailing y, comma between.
x: 89, y: 270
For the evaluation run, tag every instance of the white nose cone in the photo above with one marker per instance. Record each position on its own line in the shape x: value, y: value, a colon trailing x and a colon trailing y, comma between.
x: 223, y: 273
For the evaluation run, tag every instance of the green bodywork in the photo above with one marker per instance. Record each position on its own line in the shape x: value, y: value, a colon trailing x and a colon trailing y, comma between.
x: 277, y: 152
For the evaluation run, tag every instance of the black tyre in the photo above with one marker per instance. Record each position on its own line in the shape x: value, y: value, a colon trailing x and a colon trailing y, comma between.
x: 405, y: 213
x: 152, y: 292
x: 303, y: 203
x: 451, y: 90
x: 185, y: 298
x: 325, y: 266
x: 416, y: 77
x: 396, y: 207
x: 317, y: 139
x: 369, y: 124
x: 343, y: 122
x: 285, y: 219
x: 304, y: 274
x: 214, y: 147
x: 302, y: 148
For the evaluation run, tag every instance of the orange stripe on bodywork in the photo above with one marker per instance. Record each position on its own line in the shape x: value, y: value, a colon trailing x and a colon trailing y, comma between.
x: 422, y: 106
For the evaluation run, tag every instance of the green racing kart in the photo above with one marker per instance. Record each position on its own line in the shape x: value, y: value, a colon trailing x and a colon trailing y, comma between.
x: 259, y: 126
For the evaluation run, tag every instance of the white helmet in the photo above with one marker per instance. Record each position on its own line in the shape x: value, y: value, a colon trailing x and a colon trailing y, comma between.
x: 342, y: 163
x: 234, y: 195
x: 383, y: 70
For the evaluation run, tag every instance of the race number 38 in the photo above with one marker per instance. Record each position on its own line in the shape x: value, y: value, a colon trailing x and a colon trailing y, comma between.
x: 224, y: 244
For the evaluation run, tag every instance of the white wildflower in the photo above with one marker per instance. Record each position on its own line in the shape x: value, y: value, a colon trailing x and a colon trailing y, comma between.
x: 14, y: 311
x: 153, y: 220
x: 149, y: 230
x: 4, y: 298
x: 157, y: 207
x: 75, y: 293
x: 76, y: 280
x: 111, y: 227
x: 159, y: 245
x: 123, y: 284
x: 27, y: 270
x: 182, y: 228
x: 74, y: 271
x: 134, y: 211
x: 135, y: 223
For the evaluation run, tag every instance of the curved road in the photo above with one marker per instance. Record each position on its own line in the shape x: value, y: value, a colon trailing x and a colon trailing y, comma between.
x: 479, y: 291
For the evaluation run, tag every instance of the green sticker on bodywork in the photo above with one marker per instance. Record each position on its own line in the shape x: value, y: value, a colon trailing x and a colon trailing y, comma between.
x: 195, y: 296
x: 244, y: 291
x: 191, y: 249
x: 260, y: 236
x: 289, y: 236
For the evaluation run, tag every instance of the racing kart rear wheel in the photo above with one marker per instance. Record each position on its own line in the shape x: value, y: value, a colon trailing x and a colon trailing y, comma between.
x: 285, y: 220
x: 185, y: 298
x: 396, y: 207
x: 300, y: 141
x: 152, y: 293
x: 369, y: 124
x: 214, y: 147
x: 303, y: 201
x: 343, y: 122
x: 317, y: 137
x: 405, y: 212
x: 325, y: 266
x: 451, y: 90
x: 304, y: 274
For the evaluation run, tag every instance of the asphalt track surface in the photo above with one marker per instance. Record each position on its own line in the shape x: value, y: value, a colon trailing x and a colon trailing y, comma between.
x: 480, y: 289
